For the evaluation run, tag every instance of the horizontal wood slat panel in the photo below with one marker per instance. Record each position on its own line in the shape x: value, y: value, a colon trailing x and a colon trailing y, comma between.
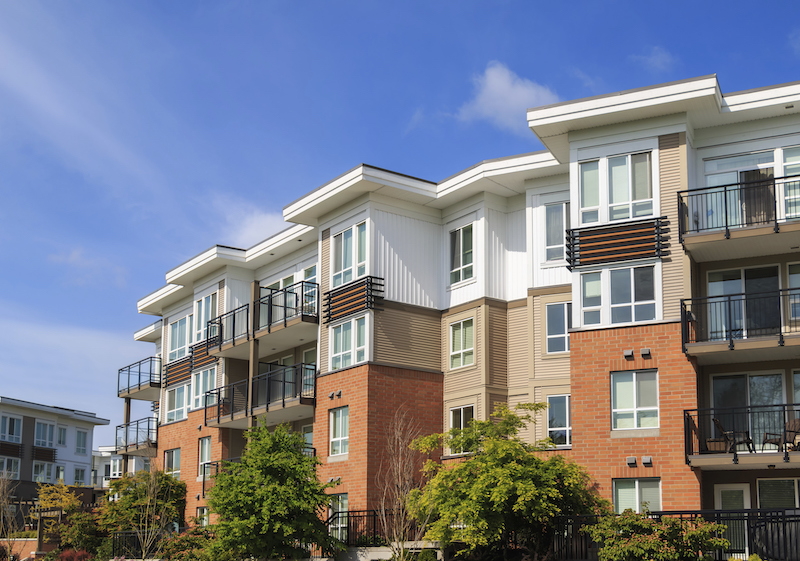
x: 360, y: 295
x: 10, y: 450
x: 611, y: 243
x: 44, y: 454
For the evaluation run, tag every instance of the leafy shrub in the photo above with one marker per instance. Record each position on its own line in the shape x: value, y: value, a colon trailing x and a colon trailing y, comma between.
x: 73, y: 555
x: 187, y: 546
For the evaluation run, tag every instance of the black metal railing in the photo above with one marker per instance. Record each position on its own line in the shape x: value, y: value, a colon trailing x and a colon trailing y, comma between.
x: 143, y: 432
x: 209, y: 470
x: 144, y: 373
x: 764, y: 202
x: 229, y: 327
x: 773, y: 535
x: 357, y: 527
x: 733, y: 430
x: 270, y: 389
x: 278, y: 306
x: 740, y: 316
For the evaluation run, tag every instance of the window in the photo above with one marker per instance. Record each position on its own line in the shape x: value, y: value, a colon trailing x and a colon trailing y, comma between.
x: 556, y: 219
x: 349, y: 255
x: 60, y: 471
x: 461, y: 254
x: 10, y: 429
x: 42, y: 472
x: 460, y: 418
x: 777, y: 493
x: 204, y: 456
x: 559, y: 420
x: 9, y: 468
x: 202, y: 382
x: 80, y: 447
x: 309, y: 291
x: 62, y: 436
x: 205, y: 311
x: 176, y: 403
x: 340, y: 429
x: 639, y: 495
x: 630, y: 188
x: 634, y: 400
x: 618, y: 296
x: 115, y: 469
x: 44, y: 434
x: 338, y: 517
x: 179, y: 338
x: 172, y: 462
x: 202, y: 515
x: 80, y: 476
x: 461, y: 344
x: 559, y: 322
x: 347, y: 345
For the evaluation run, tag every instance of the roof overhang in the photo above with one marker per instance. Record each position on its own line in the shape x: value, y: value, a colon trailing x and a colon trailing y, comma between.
x: 75, y: 414
x: 151, y: 333
x: 154, y: 302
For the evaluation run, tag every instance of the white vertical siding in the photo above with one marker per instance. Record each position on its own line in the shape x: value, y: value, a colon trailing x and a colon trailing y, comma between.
x: 407, y: 255
x: 237, y: 294
x: 496, y: 236
x: 516, y: 281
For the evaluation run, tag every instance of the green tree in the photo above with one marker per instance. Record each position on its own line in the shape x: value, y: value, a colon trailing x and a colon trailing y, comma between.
x: 148, y: 504
x: 631, y: 537
x: 501, y: 490
x: 269, y: 505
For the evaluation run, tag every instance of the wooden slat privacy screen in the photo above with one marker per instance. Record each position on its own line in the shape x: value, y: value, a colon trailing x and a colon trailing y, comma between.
x: 596, y: 245
x: 180, y: 371
x: 363, y: 294
x: 44, y: 454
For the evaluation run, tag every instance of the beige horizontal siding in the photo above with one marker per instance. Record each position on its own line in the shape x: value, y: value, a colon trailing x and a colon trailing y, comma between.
x: 672, y: 178
x: 497, y: 346
x: 519, y: 344
x: 407, y: 337
x: 461, y: 379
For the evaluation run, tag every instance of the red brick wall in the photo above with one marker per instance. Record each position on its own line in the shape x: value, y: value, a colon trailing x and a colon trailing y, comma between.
x: 373, y: 394
x: 594, y: 355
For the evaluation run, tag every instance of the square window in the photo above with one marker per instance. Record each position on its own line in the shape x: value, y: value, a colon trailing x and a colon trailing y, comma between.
x: 633, y: 296
x: 634, y: 400
x: 349, y: 343
x: 349, y: 257
x: 559, y: 322
x: 559, y: 420
x: 638, y: 495
x: 340, y: 430
x: 461, y: 242
x: 172, y: 462
x: 461, y: 344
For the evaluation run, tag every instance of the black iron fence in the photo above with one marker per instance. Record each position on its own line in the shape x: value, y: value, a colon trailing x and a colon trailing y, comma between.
x: 740, y: 316
x: 773, y: 535
x: 278, y: 306
x: 356, y: 528
x: 145, y: 373
x: 731, y: 430
x: 143, y: 432
x: 229, y: 327
x: 764, y: 202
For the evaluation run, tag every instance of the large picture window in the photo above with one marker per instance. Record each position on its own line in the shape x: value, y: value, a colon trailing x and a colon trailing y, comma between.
x: 616, y: 188
x: 349, y: 254
x: 349, y: 343
x: 340, y: 431
x: 461, y: 243
x: 634, y: 400
x: 461, y: 343
x: 638, y: 495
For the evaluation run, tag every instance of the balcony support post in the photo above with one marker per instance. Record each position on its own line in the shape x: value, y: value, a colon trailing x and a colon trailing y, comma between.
x: 127, y: 420
x: 727, y: 230
x: 252, y: 370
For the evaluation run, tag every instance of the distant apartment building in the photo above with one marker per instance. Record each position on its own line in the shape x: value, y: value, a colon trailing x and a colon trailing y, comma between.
x: 641, y: 276
x: 45, y: 444
x: 107, y: 466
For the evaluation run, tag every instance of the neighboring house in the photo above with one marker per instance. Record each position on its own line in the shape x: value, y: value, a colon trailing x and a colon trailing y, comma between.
x: 641, y: 276
x: 107, y: 466
x: 45, y: 444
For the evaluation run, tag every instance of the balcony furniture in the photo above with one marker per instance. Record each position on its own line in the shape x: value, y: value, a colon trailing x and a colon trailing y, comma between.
x: 787, y: 440
x: 733, y: 438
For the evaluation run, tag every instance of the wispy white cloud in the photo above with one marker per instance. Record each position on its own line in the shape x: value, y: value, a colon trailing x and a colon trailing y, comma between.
x: 501, y: 98
x: 416, y: 120
x: 594, y: 85
x: 657, y: 59
x: 85, y: 270
x: 794, y: 41
x: 243, y: 225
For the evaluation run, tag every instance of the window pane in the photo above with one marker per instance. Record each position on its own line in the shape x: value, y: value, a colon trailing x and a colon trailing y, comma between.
x: 641, y: 176
x: 618, y: 179
x: 455, y: 419
x: 791, y: 155
x: 467, y: 415
x: 776, y: 493
x: 590, y: 184
x: 622, y: 391
x: 645, y: 312
x: 555, y: 319
x: 455, y: 250
x: 623, y: 420
x: 647, y: 389
x: 361, y: 332
x: 347, y: 249
x: 556, y: 344
x: 591, y: 289
x: 362, y: 242
x: 557, y: 412
x: 644, y: 286
x: 554, y: 225
x: 624, y: 495
x: 455, y: 344
x: 647, y: 419
x: 650, y: 494
x: 468, y: 334
x: 467, y: 245
x: 620, y: 286
x: 621, y: 314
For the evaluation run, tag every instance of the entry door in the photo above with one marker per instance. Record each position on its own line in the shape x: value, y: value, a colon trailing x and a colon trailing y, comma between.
x: 734, y: 496
x: 744, y: 303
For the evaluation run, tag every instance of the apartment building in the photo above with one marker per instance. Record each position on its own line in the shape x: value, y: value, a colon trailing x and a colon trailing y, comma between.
x: 107, y: 466
x: 638, y: 275
x: 45, y: 444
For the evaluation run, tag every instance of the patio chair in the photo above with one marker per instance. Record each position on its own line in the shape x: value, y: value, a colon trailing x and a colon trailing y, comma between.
x: 734, y: 438
x: 786, y: 439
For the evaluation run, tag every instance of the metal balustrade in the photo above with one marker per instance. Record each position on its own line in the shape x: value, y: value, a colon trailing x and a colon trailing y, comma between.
x: 279, y: 306
x: 228, y: 327
x: 145, y: 373
x: 135, y: 434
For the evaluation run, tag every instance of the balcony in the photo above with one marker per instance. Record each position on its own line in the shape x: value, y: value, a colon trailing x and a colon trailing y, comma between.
x: 137, y: 438
x: 750, y: 212
x: 228, y: 332
x: 742, y: 327
x: 280, y: 396
x: 286, y: 318
x: 754, y: 437
x: 141, y: 380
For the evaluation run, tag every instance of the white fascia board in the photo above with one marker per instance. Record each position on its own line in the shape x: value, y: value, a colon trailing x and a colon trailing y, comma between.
x: 151, y: 333
x: 778, y: 96
x: 74, y: 414
x: 495, y: 168
x: 203, y: 264
x: 279, y: 244
x: 155, y: 301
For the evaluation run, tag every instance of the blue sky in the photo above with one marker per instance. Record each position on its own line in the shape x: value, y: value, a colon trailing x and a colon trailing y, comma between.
x: 135, y: 134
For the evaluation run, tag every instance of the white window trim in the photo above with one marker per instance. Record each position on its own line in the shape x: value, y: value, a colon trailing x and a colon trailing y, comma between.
x: 356, y: 264
x: 344, y: 441
x: 460, y: 409
x: 636, y: 409
x: 199, y: 302
x: 202, y: 464
x: 3, y: 464
x: 636, y: 481
x: 542, y: 234
x: 605, y: 294
x: 116, y: 462
x: 464, y: 349
x: 462, y: 267
x: 187, y: 343
x: 6, y: 436
x: 568, y: 428
x: 50, y: 438
x: 567, y: 321
x: 48, y: 472
x: 184, y: 408
x: 173, y: 472
x: 75, y: 480
x: 353, y: 350
x: 85, y: 442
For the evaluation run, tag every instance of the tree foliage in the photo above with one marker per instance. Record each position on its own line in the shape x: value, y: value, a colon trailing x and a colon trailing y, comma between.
x: 269, y: 505
x: 631, y: 537
x: 501, y: 490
